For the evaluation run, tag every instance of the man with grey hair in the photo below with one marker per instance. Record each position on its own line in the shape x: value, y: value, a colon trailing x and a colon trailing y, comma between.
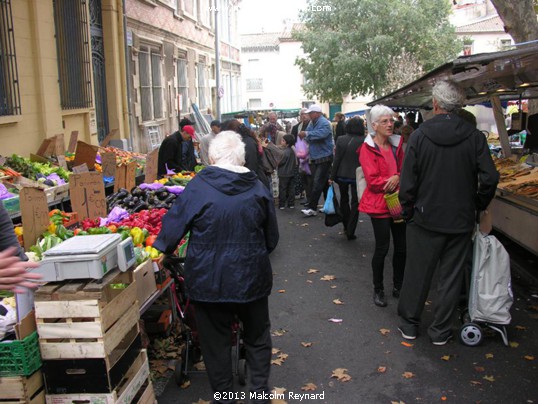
x: 272, y: 120
x: 447, y: 177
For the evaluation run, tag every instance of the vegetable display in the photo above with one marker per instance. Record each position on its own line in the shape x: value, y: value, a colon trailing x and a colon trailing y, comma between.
x: 34, y: 170
x: 141, y: 199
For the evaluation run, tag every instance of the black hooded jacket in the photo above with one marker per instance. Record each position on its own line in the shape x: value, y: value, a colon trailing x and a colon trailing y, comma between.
x: 448, y: 174
x: 170, y: 154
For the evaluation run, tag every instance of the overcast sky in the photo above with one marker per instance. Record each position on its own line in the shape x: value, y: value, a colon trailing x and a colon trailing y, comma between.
x: 255, y: 15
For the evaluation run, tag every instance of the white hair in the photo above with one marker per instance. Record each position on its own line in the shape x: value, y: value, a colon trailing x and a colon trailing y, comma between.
x: 227, y: 148
x: 380, y: 110
x: 449, y: 95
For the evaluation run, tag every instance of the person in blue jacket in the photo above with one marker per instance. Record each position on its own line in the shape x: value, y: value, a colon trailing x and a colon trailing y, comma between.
x: 232, y: 222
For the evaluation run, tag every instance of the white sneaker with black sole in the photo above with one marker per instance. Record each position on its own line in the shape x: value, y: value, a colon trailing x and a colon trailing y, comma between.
x: 309, y: 212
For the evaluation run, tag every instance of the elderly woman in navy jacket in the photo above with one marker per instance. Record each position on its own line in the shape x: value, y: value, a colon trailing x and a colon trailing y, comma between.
x: 231, y: 217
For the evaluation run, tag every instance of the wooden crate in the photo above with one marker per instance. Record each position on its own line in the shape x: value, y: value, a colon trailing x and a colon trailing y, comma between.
x: 132, y: 389
x: 85, y: 319
x: 20, y: 389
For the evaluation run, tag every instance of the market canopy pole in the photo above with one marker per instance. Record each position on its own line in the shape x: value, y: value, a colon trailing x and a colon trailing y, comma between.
x: 217, y: 58
x: 501, y: 126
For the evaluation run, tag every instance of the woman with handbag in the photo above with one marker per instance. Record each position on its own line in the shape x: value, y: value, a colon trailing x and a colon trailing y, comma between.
x: 381, y: 158
x: 343, y: 173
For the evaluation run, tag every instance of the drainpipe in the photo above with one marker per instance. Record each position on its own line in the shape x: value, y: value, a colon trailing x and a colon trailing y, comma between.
x: 217, y: 58
x: 128, y: 77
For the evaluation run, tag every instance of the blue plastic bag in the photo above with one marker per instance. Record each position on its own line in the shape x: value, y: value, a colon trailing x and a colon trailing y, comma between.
x: 328, y: 206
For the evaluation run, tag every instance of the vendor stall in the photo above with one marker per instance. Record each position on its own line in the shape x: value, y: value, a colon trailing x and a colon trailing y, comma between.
x: 492, y: 79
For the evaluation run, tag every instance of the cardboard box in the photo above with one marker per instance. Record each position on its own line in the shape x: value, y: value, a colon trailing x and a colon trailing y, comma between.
x: 145, y: 281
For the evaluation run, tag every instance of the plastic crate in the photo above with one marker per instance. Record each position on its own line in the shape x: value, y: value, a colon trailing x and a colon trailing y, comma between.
x: 20, y: 357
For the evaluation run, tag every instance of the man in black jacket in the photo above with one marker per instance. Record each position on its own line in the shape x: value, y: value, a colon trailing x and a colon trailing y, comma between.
x: 172, y: 155
x: 448, y: 175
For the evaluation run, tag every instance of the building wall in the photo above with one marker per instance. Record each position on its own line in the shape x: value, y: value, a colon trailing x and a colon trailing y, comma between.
x: 36, y: 55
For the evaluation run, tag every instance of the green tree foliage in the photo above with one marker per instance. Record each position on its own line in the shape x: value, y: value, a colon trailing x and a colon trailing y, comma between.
x: 351, y: 45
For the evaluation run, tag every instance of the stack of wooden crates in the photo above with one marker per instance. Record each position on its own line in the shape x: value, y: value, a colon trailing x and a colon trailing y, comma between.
x: 90, y: 344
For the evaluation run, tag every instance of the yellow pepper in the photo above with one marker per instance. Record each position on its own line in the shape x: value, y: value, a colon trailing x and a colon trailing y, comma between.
x: 18, y: 231
x: 52, y: 228
x: 138, y: 235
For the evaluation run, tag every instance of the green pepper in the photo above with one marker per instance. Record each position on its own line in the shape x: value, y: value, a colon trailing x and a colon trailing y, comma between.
x: 124, y: 234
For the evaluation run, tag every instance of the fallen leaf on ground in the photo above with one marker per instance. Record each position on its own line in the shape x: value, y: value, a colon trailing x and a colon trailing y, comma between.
x: 312, y: 271
x: 428, y: 303
x: 513, y: 344
x: 529, y: 357
x: 445, y: 358
x: 282, y: 291
x: 408, y: 375
x: 309, y: 281
x: 186, y: 384
x: 306, y: 344
x: 381, y: 369
x: 333, y: 287
x: 384, y: 331
x: 278, y: 333
x: 328, y: 278
x: 363, y: 255
x: 335, y: 320
x: 304, y: 225
x: 489, y: 356
x: 397, y: 402
x: 277, y: 362
x: 479, y: 369
x: 199, y: 365
x: 338, y: 301
x: 489, y: 378
x: 407, y: 344
x: 309, y: 387
x: 520, y: 327
x: 274, y: 351
x: 476, y: 383
x: 341, y: 375
x: 283, y: 356
x: 279, y: 390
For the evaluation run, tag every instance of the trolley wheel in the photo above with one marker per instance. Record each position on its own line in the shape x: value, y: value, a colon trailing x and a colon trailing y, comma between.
x: 242, y: 372
x: 471, y: 334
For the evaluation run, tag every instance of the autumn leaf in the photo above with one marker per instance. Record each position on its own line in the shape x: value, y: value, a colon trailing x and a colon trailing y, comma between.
x: 384, y: 331
x: 304, y: 225
x: 475, y: 383
x: 489, y: 356
x: 309, y: 281
x: 338, y: 301
x: 274, y: 351
x: 381, y: 369
x: 397, y: 402
x: 341, y: 375
x: 185, y: 384
x: 333, y: 287
x: 513, y: 344
x: 312, y: 271
x: 335, y: 320
x: 282, y: 291
x: 306, y: 344
x: 199, y: 366
x: 283, y: 356
x: 408, y: 375
x: 479, y: 369
x: 445, y: 358
x: 520, y: 327
x: 407, y: 344
x: 279, y: 390
x: 328, y: 278
x: 309, y: 387
x: 489, y: 378
x: 278, y: 333
x: 277, y: 362
x: 529, y: 357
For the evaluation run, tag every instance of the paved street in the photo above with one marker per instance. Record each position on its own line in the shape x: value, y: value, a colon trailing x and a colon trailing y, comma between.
x: 382, y: 369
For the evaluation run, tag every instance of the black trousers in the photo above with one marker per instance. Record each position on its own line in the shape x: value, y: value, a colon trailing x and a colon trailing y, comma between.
x: 382, y: 230
x: 214, y: 322
x: 320, y: 179
x: 349, y: 208
x: 286, y: 191
x: 306, y: 181
x: 427, y: 251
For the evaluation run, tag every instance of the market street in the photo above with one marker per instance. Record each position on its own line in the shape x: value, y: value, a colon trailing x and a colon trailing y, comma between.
x: 383, y: 368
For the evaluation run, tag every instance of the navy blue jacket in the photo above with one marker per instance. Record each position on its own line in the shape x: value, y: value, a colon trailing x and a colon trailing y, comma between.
x: 232, y: 220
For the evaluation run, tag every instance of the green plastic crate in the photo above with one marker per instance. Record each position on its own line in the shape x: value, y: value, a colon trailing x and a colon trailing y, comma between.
x: 20, y: 357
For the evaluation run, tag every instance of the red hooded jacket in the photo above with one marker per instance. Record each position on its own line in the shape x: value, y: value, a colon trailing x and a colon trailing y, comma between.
x: 376, y: 173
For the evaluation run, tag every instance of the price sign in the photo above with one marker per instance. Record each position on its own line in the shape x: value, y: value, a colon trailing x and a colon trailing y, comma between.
x: 152, y: 160
x: 108, y: 162
x: 87, y: 192
x: 34, y: 214
x: 85, y: 154
x: 73, y: 139
x: 83, y: 168
x: 130, y: 175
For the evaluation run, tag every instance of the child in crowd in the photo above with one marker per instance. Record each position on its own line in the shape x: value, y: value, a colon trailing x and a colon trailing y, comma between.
x: 286, y: 172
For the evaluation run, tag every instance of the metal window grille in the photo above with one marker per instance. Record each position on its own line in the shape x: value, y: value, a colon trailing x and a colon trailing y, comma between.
x: 73, y: 47
x: 154, y: 137
x: 182, y: 84
x: 201, y: 86
x: 10, y: 102
x: 254, y: 84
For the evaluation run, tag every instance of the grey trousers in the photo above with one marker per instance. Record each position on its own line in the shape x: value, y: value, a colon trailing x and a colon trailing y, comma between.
x: 426, y: 252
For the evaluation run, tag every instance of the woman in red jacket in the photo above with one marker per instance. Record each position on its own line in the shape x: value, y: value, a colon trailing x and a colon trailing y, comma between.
x: 381, y: 158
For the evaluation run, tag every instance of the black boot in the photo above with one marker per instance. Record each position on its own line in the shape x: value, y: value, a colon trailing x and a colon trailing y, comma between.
x: 379, y: 298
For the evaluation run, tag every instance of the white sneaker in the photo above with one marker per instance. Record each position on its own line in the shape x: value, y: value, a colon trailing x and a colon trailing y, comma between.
x: 309, y: 212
